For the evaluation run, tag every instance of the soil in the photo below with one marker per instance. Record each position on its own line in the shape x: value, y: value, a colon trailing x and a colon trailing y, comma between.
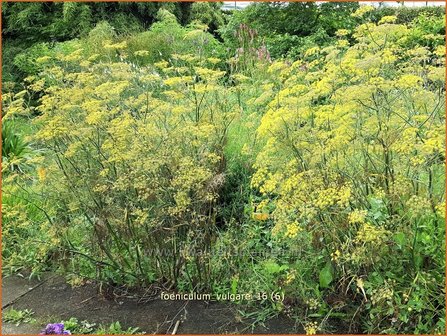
x: 55, y: 300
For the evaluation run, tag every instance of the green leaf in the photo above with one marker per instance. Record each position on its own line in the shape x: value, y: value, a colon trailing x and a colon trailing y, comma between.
x: 234, y: 285
x: 272, y: 267
x: 326, y: 276
x: 418, y: 260
x: 400, y: 239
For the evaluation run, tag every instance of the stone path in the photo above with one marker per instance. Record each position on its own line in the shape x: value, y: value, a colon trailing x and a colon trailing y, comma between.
x: 53, y: 300
x: 13, y: 288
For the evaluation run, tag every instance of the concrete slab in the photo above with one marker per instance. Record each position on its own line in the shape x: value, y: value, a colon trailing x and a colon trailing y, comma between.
x: 15, y: 286
x: 12, y: 329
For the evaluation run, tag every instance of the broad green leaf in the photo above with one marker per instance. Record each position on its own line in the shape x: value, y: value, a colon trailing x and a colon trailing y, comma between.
x: 326, y: 276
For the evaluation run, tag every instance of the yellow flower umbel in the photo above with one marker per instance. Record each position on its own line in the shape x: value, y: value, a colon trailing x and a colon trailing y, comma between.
x: 292, y: 230
x: 311, y: 328
x: 313, y: 304
x: 419, y: 206
x: 362, y: 11
x: 335, y: 255
x: 388, y: 19
x: 440, y: 209
x: 371, y: 234
x: 357, y: 216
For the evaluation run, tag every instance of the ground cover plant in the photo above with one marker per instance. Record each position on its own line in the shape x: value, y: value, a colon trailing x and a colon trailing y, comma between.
x: 304, y: 165
x: 68, y: 327
x: 18, y: 316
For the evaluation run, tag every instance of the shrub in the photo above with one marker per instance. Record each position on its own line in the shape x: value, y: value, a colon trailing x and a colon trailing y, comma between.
x: 167, y: 37
x: 353, y: 172
x: 134, y: 157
